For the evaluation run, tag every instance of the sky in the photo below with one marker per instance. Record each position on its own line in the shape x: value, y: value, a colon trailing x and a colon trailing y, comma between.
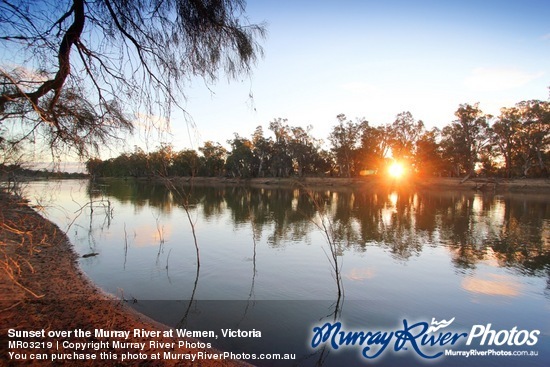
x: 370, y: 60
x: 373, y: 60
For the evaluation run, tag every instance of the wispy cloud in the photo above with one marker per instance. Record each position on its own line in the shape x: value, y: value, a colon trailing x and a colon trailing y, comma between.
x: 494, y: 79
x: 546, y: 37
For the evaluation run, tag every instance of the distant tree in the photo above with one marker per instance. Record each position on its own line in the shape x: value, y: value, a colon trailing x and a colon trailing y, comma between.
x: 404, y: 135
x: 345, y: 138
x: 454, y: 151
x: 186, y: 163
x: 375, y: 146
x: 534, y: 135
x: 213, y: 159
x: 94, y: 167
x: 76, y: 69
x: 469, y: 134
x: 304, y: 150
x: 428, y: 157
x: 281, y: 159
x: 504, y: 136
x: 160, y: 161
x: 138, y: 163
x: 240, y: 161
x: 263, y: 152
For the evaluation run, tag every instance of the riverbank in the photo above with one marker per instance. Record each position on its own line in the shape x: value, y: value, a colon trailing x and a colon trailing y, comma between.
x: 498, y: 185
x: 41, y: 287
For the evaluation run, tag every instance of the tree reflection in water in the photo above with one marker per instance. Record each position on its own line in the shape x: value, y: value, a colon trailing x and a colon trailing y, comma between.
x: 396, y: 252
x: 512, y: 229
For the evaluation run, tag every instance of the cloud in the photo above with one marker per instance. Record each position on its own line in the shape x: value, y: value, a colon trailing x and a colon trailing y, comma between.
x: 497, y: 79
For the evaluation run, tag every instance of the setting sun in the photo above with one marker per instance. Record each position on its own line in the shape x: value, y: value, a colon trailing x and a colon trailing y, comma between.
x: 396, y: 170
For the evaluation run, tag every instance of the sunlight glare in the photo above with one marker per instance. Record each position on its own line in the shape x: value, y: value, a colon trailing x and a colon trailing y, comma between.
x: 396, y: 170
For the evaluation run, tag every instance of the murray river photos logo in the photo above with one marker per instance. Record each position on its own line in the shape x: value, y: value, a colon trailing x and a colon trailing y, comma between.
x: 427, y: 340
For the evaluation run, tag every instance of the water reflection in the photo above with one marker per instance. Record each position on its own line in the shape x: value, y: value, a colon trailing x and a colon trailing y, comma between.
x: 514, y: 230
x: 493, y: 284
x: 287, y: 258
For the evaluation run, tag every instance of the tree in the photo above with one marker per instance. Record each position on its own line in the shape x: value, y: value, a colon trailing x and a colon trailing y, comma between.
x: 281, y: 160
x: 79, y: 68
x: 304, y: 150
x: 404, y: 135
x: 534, y: 134
x: 375, y: 146
x: 240, y: 161
x: 345, y: 139
x: 504, y: 136
x: 186, y: 163
x: 428, y: 158
x: 454, y: 150
x: 213, y: 159
x: 94, y: 167
x: 161, y: 160
x: 521, y: 136
x: 262, y: 151
x: 471, y: 131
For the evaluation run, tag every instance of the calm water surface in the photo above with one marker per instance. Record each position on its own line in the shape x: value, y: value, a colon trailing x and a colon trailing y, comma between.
x: 261, y: 260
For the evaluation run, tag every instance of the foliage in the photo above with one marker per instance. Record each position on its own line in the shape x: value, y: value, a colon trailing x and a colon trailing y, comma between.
x: 345, y: 138
x: 81, y: 72
x: 515, y: 144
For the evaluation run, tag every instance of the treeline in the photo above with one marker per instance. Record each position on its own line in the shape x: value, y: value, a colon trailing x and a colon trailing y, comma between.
x: 15, y: 171
x: 513, y: 144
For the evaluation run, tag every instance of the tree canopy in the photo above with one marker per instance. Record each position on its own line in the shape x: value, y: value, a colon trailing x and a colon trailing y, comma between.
x: 75, y: 73
x: 514, y: 144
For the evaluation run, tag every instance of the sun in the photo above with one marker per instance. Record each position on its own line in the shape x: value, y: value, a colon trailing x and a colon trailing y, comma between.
x: 396, y: 170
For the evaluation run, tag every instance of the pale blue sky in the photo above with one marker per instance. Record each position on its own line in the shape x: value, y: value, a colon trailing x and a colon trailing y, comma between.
x: 375, y: 59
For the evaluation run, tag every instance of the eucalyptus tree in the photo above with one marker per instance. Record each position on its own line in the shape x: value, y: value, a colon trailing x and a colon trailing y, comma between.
x: 305, y: 150
x: 281, y: 160
x: 470, y: 135
x: 137, y: 164
x: 454, y: 151
x: 77, y: 73
x: 345, y: 139
x: 428, y: 157
x: 262, y: 149
x: 404, y: 135
x: 505, y: 138
x: 375, y: 146
x: 521, y: 136
x: 161, y: 160
x: 534, y: 135
x: 213, y: 159
x: 186, y: 163
x: 240, y: 161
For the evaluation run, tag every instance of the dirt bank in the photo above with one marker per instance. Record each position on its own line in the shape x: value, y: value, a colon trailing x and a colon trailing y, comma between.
x: 41, y: 287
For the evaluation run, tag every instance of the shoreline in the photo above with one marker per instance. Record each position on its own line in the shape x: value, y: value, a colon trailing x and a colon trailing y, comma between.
x: 496, y: 185
x: 42, y: 287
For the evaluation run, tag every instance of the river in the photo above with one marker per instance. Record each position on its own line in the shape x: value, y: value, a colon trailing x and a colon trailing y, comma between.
x: 285, y: 261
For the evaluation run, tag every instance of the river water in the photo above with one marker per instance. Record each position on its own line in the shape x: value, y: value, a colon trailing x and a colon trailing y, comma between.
x: 284, y: 261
